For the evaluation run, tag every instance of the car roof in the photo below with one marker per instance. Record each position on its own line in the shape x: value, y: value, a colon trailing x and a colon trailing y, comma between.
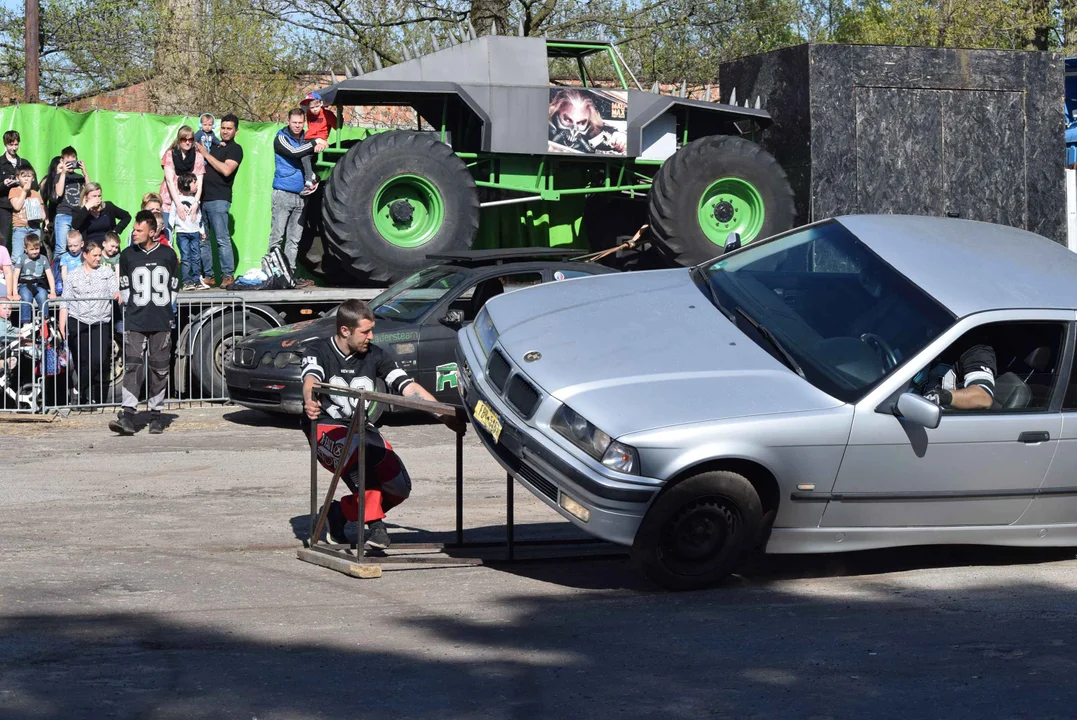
x: 970, y: 266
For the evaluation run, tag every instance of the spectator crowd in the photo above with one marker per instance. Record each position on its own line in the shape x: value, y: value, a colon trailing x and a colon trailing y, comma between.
x: 62, y: 238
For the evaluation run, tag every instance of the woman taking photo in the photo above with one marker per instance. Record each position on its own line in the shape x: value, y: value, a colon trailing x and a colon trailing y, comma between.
x: 94, y: 217
x: 180, y: 158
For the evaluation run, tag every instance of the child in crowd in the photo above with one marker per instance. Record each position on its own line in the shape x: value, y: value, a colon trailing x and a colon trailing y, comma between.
x: 319, y: 122
x: 110, y: 250
x: 152, y: 202
x: 7, y: 330
x: 71, y: 259
x: 189, y: 233
x: 32, y: 276
x: 29, y: 210
x: 71, y: 175
x: 205, y: 136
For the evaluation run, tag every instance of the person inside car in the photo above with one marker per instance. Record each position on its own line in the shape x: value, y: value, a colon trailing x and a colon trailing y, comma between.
x: 963, y: 378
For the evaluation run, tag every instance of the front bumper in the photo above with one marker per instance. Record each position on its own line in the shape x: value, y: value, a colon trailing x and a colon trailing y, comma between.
x: 258, y: 389
x: 617, y: 507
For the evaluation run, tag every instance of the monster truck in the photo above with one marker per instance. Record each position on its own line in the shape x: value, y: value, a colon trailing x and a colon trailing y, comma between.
x: 491, y: 131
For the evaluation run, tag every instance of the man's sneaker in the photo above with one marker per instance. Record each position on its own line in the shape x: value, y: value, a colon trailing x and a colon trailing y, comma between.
x: 303, y: 283
x: 308, y: 189
x: 209, y: 282
x: 200, y: 284
x: 124, y: 424
x: 190, y: 285
x: 336, y: 521
x: 227, y: 280
x: 157, y: 425
x: 378, y: 536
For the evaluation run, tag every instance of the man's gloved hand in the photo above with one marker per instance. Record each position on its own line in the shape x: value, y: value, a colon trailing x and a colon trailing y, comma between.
x: 939, y: 396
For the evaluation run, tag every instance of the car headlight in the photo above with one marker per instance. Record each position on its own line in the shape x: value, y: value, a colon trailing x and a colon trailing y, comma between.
x: 485, y: 332
x: 284, y: 359
x: 599, y: 445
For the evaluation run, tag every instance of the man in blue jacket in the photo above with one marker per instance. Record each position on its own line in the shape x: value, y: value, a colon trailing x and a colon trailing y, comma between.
x: 289, y: 205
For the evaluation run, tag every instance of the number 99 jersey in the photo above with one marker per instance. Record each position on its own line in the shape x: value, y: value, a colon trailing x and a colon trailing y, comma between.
x: 149, y: 281
x: 358, y: 371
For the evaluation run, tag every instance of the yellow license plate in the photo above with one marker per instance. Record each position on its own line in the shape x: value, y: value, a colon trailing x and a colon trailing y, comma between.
x: 488, y: 419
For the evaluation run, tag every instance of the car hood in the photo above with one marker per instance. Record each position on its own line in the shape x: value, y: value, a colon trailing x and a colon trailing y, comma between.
x: 296, y: 334
x: 644, y: 350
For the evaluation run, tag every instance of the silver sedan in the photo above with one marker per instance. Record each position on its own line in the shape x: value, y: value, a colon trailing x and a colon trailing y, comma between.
x: 775, y: 397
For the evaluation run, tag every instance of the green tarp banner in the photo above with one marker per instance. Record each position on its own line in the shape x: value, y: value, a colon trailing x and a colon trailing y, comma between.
x: 122, y: 152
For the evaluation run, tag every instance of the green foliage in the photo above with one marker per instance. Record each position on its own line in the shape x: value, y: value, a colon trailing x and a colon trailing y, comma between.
x: 248, y: 54
x: 87, y: 45
x: 1006, y: 24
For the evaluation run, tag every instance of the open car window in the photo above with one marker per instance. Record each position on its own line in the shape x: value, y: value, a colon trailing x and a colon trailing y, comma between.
x: 471, y: 301
x: 1027, y: 360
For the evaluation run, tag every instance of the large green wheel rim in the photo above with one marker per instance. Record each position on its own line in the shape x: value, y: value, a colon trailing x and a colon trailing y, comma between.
x: 731, y: 205
x: 408, y: 211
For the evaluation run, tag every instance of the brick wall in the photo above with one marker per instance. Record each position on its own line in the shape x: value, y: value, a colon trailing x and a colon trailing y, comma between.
x: 133, y: 98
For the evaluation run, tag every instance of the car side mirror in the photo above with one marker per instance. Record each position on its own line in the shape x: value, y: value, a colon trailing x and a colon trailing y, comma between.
x: 916, y: 409
x: 453, y: 319
x: 732, y: 242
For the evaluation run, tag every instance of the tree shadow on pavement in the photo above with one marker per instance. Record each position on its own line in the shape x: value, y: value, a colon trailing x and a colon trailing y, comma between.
x: 990, y: 650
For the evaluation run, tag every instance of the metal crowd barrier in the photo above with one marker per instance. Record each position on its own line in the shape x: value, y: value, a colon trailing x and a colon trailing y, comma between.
x: 73, y: 355
x: 22, y: 361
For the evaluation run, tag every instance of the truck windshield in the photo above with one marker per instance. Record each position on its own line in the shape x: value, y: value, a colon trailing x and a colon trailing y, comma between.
x: 410, y: 299
x: 843, y: 314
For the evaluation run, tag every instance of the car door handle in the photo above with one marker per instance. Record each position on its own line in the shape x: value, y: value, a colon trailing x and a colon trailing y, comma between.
x: 1034, y: 437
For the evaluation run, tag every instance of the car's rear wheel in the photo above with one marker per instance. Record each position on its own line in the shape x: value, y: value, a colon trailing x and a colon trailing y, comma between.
x: 697, y: 531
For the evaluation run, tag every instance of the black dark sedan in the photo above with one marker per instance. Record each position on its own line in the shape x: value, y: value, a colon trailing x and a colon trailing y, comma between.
x: 417, y: 321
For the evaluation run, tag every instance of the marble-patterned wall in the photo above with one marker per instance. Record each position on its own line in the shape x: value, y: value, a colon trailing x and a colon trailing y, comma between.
x: 970, y: 133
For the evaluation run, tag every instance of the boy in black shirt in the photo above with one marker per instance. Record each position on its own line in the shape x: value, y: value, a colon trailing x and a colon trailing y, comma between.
x: 149, y: 284
x: 350, y: 360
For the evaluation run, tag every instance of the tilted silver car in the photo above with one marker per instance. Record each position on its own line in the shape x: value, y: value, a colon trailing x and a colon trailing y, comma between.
x: 772, y: 397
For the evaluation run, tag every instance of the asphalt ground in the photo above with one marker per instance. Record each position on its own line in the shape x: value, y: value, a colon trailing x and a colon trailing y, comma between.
x: 156, y: 577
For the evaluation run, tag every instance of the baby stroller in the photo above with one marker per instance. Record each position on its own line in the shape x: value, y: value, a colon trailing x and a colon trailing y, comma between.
x: 33, y: 353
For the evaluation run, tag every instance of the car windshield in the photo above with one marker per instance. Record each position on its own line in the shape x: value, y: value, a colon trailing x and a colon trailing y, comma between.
x: 824, y: 304
x: 409, y: 299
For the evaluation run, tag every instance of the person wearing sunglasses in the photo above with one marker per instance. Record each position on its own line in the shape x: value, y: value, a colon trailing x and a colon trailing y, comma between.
x: 178, y: 159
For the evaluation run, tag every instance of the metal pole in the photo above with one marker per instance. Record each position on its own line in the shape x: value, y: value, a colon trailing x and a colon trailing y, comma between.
x: 459, y: 483
x: 336, y: 478
x: 32, y: 66
x: 313, y: 479
x: 510, y: 520
x: 361, y: 542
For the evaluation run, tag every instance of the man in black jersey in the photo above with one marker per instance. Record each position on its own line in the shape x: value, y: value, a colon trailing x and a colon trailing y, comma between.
x: 350, y: 360
x: 963, y: 379
x: 149, y: 283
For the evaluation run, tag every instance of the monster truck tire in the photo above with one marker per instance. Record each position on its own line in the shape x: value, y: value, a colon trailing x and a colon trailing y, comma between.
x: 711, y: 187
x: 395, y: 198
x: 698, y: 531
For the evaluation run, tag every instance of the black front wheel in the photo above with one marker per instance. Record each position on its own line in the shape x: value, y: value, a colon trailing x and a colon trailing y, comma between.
x: 697, y: 531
